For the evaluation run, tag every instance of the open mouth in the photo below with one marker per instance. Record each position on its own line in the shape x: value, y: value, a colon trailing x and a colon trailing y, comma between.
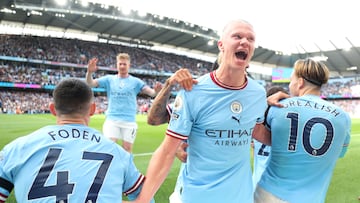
x: 241, y: 55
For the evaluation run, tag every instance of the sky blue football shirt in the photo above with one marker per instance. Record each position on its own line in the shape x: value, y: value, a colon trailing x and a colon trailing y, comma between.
x: 121, y: 94
x: 217, y: 122
x: 73, y: 163
x: 308, y: 136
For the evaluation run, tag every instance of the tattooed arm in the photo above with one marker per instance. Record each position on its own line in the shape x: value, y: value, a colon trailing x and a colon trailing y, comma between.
x: 158, y: 113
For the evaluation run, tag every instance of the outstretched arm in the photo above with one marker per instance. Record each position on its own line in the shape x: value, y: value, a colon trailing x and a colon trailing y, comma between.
x: 152, y: 92
x: 273, y: 100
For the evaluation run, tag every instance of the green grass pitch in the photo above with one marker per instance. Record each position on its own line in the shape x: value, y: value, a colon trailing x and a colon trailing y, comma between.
x: 344, y: 186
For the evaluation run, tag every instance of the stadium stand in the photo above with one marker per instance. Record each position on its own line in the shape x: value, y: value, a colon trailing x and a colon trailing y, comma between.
x: 31, y: 66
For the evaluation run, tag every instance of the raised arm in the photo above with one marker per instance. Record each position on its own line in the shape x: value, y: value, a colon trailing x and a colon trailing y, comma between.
x: 158, y: 113
x: 91, y: 68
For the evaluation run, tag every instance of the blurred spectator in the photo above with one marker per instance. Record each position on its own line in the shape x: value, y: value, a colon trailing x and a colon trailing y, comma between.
x: 148, y: 65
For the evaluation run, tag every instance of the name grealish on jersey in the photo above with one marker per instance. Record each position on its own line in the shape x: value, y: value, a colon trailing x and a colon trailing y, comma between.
x: 313, y: 105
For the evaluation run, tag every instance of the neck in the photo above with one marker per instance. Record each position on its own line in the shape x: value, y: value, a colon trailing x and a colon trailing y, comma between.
x: 235, y: 79
x: 311, y: 91
x: 123, y: 75
x: 63, y: 120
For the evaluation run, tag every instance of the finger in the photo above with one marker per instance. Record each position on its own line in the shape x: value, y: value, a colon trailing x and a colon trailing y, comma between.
x: 188, y: 82
x: 277, y: 104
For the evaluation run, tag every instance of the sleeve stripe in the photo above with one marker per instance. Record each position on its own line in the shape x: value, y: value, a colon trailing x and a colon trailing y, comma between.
x: 137, y: 184
x: 176, y: 135
x: 3, y: 198
x: 169, y: 111
x: 168, y: 108
x: 6, y: 184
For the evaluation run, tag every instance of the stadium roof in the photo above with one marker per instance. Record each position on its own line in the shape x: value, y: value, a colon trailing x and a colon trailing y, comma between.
x: 113, y: 23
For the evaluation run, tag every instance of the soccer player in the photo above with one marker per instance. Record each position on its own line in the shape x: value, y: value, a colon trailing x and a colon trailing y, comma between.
x: 216, y: 118
x: 308, y: 135
x: 69, y: 161
x: 121, y: 90
x: 161, y: 111
x: 262, y: 151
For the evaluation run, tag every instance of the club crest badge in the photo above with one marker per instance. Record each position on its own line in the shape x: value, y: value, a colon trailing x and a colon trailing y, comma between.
x: 121, y: 84
x: 178, y: 103
x: 236, y: 107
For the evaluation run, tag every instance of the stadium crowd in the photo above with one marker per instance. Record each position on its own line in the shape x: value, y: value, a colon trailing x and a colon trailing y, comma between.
x: 16, y: 51
x: 78, y: 52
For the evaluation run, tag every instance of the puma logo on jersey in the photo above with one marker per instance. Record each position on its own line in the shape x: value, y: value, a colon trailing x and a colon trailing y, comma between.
x: 236, y: 119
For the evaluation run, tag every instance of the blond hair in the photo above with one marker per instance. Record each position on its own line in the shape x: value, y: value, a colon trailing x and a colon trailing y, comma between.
x: 123, y: 56
x: 314, y: 72
x: 226, y: 29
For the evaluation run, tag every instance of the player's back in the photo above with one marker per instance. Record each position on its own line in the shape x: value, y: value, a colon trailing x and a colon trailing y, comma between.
x: 307, y: 138
x: 73, y: 163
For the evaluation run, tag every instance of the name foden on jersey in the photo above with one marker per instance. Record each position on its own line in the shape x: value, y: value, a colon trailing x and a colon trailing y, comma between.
x: 74, y: 134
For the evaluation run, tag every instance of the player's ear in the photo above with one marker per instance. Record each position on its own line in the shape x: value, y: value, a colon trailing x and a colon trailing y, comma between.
x: 92, y: 108
x: 220, y: 46
x: 52, y: 108
x: 301, y: 82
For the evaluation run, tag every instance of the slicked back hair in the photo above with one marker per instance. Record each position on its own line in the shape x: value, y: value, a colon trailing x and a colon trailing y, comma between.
x: 231, y: 23
x: 314, y: 72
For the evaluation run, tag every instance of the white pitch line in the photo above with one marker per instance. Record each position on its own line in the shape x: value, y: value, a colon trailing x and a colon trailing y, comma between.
x: 143, y: 154
x: 355, y: 134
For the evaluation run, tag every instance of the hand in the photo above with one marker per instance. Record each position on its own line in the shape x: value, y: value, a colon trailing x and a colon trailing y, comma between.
x: 274, y: 99
x: 92, y: 67
x: 183, y: 78
x: 157, y: 87
x: 181, y: 153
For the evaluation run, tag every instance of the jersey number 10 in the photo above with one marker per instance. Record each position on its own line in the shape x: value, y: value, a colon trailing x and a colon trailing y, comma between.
x: 294, y: 126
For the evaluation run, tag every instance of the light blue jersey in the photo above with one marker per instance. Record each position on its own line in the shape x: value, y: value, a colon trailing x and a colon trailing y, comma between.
x: 261, y: 158
x: 179, y: 183
x: 308, y: 136
x: 217, y: 122
x: 73, y: 163
x: 121, y: 94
